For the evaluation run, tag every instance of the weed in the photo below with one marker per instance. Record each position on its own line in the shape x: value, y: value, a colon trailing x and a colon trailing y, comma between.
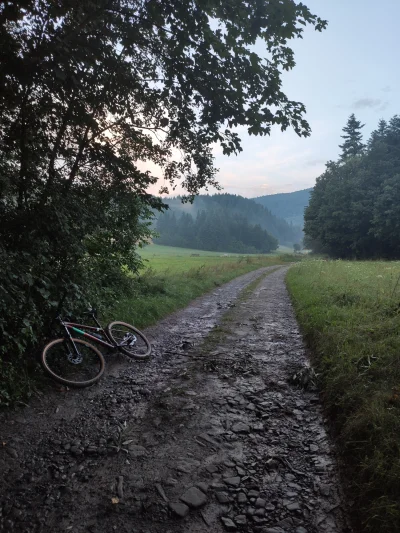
x: 121, y: 440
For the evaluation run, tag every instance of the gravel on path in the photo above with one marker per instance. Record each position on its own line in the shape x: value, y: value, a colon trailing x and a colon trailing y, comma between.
x: 221, y: 430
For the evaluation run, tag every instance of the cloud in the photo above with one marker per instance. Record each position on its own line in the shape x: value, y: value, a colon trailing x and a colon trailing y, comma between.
x: 370, y: 103
x: 386, y: 89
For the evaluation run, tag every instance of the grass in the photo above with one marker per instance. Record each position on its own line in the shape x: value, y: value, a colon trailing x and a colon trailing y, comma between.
x: 173, y: 259
x: 350, y: 315
x: 171, y: 281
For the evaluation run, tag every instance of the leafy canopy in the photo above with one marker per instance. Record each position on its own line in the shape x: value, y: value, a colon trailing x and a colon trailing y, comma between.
x: 93, y: 87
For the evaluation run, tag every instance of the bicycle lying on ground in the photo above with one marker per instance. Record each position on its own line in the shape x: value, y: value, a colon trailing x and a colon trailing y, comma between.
x: 77, y: 363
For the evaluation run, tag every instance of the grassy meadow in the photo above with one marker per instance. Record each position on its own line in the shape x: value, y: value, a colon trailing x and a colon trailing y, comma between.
x: 172, y: 259
x: 172, y: 277
x: 350, y: 315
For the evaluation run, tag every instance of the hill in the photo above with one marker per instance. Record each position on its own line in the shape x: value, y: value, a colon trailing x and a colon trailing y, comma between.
x: 238, y: 206
x: 289, y: 206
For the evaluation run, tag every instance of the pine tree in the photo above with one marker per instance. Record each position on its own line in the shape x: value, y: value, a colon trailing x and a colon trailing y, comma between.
x: 353, y: 144
x: 378, y: 135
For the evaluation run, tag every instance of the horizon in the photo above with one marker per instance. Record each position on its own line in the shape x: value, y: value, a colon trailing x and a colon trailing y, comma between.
x: 166, y: 197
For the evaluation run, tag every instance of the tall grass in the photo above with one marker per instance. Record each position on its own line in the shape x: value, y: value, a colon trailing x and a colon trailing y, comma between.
x: 350, y: 315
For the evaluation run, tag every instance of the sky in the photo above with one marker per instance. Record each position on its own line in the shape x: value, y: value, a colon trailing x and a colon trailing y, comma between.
x: 351, y: 67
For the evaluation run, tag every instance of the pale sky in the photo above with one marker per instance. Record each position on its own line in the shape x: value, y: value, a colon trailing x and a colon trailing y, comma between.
x: 352, y: 66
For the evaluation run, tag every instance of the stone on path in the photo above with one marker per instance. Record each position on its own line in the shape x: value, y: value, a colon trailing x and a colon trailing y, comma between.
x: 242, y: 498
x: 295, y: 506
x: 260, y: 502
x: 194, y: 497
x: 241, y: 520
x: 203, y: 487
x: 233, y: 481
x: 229, y: 525
x: 222, y: 497
x: 180, y: 509
x: 240, y: 427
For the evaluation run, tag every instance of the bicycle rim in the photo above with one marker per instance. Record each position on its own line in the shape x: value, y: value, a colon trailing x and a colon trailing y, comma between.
x: 75, y: 370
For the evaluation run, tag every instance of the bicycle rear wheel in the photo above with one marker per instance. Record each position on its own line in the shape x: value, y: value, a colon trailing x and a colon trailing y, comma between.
x: 129, y: 340
x: 80, y: 369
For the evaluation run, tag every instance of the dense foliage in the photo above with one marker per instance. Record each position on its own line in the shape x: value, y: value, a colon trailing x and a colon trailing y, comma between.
x: 289, y: 205
x: 354, y: 209
x: 245, y: 208
x: 214, y: 230
x: 93, y: 91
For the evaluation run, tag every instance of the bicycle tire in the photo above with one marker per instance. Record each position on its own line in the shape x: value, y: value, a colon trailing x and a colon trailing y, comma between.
x: 131, y: 353
x: 60, y: 379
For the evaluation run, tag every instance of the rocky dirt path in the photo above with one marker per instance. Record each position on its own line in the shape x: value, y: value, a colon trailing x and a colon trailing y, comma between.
x: 219, y: 431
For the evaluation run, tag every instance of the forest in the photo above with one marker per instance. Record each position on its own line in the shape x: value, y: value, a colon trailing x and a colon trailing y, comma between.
x: 214, y: 230
x: 354, y: 210
x: 223, y: 214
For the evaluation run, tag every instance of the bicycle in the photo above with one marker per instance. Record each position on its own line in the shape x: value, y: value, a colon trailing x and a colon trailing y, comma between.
x: 77, y: 363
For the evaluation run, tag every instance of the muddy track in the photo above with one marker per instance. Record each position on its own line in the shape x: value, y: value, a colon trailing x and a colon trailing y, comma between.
x: 220, y: 430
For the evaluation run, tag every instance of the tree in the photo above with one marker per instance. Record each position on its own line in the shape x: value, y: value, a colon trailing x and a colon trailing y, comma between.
x: 329, y: 218
x: 354, y: 207
x: 214, y: 229
x: 255, y: 214
x: 352, y: 145
x: 296, y: 247
x: 378, y: 135
x: 93, y: 91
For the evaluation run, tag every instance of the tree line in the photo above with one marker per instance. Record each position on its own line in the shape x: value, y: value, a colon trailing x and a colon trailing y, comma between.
x: 214, y: 230
x: 255, y: 214
x: 354, y: 210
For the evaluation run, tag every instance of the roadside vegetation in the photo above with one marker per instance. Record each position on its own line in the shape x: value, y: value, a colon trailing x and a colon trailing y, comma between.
x: 350, y: 315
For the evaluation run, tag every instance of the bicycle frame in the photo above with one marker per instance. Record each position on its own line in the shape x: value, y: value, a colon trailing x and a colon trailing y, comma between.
x: 76, y: 327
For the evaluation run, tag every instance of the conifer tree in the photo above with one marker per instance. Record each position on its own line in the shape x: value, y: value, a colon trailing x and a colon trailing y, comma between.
x: 352, y: 145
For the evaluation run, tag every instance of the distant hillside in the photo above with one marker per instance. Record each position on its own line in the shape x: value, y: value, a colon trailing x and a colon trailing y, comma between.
x: 246, y: 209
x: 289, y: 206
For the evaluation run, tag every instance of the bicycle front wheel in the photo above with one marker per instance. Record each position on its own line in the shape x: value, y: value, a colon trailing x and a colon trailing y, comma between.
x: 129, y: 340
x: 79, y: 368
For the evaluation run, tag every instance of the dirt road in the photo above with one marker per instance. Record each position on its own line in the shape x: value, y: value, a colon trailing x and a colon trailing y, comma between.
x: 220, y: 431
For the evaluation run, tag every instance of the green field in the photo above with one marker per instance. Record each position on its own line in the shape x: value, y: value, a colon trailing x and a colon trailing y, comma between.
x: 350, y: 315
x: 168, y: 258
x: 172, y: 277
